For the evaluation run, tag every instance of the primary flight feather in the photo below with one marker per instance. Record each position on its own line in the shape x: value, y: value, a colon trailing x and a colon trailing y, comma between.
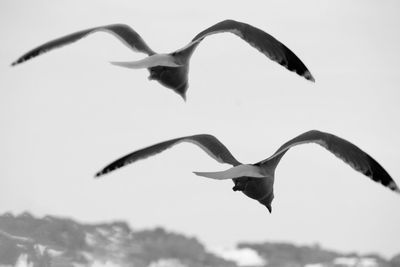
x: 171, y: 69
x: 256, y: 180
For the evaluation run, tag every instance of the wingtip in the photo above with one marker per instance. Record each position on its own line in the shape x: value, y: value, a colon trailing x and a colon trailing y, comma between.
x: 393, y: 186
x: 124, y: 64
x: 203, y: 174
x: 98, y: 174
x: 115, y: 63
x: 307, y: 74
x: 396, y: 190
x: 19, y: 61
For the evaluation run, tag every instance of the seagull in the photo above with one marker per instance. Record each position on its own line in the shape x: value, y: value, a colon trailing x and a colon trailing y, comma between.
x: 256, y: 180
x: 171, y: 69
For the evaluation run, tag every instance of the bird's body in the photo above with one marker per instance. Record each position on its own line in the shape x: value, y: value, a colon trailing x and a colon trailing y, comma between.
x: 256, y: 180
x: 171, y: 69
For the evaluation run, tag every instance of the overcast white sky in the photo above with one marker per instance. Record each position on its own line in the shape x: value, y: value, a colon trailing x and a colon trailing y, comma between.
x: 68, y: 113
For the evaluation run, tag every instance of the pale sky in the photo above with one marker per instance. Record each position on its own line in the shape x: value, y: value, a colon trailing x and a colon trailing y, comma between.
x: 67, y: 114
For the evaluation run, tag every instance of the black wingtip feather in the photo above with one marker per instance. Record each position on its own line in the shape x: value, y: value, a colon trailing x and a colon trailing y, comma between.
x: 98, y: 174
x: 27, y: 56
x: 378, y: 174
x: 107, y: 170
x: 307, y: 74
x: 293, y: 63
x: 104, y: 172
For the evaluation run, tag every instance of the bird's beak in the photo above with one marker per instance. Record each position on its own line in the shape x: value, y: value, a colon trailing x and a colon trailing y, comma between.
x: 183, y: 95
x: 269, y: 208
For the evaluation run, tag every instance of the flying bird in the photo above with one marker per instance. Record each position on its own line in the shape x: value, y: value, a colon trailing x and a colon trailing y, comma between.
x: 256, y: 180
x: 171, y: 69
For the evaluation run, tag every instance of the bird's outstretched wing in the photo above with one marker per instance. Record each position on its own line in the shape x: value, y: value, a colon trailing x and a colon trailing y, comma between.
x: 343, y: 149
x: 123, y: 32
x: 208, y: 143
x: 151, y: 61
x: 257, y: 38
x: 248, y: 170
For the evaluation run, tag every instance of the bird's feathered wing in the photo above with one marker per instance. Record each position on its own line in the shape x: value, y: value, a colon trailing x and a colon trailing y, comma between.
x: 257, y: 38
x: 210, y: 144
x: 151, y: 61
x: 248, y: 170
x: 123, y: 32
x: 343, y: 149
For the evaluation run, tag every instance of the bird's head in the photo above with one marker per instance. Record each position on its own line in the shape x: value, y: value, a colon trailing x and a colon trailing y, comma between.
x: 260, y: 189
x: 174, y: 78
